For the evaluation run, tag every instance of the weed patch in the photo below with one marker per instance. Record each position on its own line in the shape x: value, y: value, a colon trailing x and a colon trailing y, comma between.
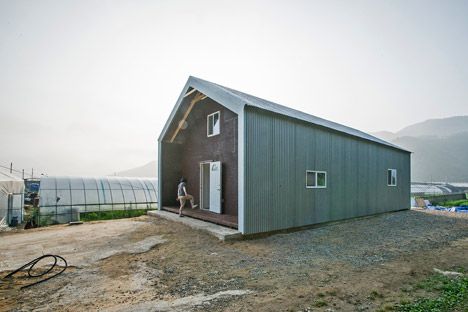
x: 375, y: 295
x: 320, y: 303
x: 444, y: 294
x: 113, y: 214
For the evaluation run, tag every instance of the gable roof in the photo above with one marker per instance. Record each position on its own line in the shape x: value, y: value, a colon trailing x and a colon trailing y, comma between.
x: 236, y: 100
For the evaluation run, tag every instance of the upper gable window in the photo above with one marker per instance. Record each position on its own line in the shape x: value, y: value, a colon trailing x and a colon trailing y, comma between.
x: 213, y: 127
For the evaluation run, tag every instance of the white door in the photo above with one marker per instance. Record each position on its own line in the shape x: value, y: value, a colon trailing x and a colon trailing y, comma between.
x: 215, y: 187
x: 205, y: 185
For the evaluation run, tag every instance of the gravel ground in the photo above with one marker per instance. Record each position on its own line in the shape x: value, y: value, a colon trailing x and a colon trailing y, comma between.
x: 334, y: 267
x: 366, y: 241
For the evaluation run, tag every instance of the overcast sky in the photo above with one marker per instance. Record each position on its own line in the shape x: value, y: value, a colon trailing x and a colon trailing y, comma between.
x: 86, y: 86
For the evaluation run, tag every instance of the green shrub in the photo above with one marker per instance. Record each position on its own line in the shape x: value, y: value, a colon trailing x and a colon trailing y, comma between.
x: 452, y: 203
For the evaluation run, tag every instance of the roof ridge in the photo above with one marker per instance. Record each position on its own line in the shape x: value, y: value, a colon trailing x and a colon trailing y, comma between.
x: 287, y: 111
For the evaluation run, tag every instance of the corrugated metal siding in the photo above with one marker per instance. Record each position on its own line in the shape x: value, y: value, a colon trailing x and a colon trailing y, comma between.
x: 279, y: 150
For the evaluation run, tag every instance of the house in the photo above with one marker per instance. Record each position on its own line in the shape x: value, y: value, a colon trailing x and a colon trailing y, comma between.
x: 258, y: 166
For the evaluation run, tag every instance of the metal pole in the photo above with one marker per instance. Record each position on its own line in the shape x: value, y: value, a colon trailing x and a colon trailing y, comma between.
x: 71, y: 203
x: 123, y: 195
x: 99, y: 198
x: 11, y: 167
x: 134, y: 195
x: 32, y: 173
x: 23, y: 174
x: 9, y: 208
x: 112, y: 198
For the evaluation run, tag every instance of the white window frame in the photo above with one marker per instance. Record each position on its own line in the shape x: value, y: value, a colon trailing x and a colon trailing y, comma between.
x: 396, y: 177
x: 316, y: 179
x: 208, y: 124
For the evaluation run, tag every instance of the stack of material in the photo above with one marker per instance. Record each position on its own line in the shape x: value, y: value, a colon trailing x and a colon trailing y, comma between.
x: 420, y: 202
x: 11, y: 198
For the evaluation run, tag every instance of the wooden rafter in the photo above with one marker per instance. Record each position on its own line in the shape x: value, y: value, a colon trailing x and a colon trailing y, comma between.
x: 190, y: 92
x: 197, y: 98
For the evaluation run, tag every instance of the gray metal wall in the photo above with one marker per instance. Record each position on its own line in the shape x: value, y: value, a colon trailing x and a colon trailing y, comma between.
x: 279, y: 150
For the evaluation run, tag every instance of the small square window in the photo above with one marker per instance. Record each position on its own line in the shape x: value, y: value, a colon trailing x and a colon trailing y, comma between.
x: 391, y: 177
x: 213, y: 127
x: 316, y: 179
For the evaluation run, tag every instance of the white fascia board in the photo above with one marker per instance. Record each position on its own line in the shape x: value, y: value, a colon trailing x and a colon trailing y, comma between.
x: 174, y: 110
x: 160, y: 177
x: 220, y: 96
x: 240, y: 169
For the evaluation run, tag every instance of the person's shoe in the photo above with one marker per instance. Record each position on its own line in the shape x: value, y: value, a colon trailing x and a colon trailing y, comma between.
x: 194, y: 206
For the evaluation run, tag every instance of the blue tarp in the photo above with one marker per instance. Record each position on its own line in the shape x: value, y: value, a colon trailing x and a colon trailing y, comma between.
x: 463, y: 209
x: 460, y: 209
x: 441, y: 208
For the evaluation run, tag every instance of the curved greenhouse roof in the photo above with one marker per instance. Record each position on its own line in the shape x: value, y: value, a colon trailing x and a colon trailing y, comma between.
x: 58, y: 195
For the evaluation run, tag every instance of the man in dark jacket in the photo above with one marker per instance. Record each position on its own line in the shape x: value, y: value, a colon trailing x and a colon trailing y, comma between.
x: 183, y: 196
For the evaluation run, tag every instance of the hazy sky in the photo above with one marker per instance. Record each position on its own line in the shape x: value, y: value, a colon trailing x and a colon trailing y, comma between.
x: 86, y: 86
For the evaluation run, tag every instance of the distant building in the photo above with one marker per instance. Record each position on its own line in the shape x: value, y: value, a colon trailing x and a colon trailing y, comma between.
x: 259, y: 166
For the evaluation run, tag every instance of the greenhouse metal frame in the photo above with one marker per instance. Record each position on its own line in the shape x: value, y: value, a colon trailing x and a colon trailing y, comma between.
x: 63, y: 199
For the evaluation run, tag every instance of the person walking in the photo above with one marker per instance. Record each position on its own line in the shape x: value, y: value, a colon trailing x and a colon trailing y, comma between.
x: 183, y: 196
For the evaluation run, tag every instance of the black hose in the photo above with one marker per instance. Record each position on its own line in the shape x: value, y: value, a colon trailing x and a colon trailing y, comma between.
x: 31, y: 265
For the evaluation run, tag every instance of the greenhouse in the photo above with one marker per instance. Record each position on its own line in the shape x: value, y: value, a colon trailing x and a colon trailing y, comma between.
x: 11, y: 199
x: 66, y: 199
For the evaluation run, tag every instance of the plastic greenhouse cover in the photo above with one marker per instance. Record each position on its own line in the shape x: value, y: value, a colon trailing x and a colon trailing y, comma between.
x: 10, y: 184
x: 79, y: 191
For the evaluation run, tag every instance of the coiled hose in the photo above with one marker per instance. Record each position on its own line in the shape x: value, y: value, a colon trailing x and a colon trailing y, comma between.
x: 31, y: 265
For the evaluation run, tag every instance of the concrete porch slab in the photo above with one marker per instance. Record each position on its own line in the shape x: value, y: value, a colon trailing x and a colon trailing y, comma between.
x: 221, y: 232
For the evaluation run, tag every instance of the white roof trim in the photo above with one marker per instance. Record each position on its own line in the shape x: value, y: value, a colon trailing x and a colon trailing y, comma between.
x: 225, y: 99
x: 236, y: 101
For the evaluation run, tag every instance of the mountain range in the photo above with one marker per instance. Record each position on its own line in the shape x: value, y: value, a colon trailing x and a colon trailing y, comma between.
x: 439, y: 146
x: 150, y: 170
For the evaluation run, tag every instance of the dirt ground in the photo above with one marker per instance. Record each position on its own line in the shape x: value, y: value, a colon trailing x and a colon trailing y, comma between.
x: 149, y: 264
